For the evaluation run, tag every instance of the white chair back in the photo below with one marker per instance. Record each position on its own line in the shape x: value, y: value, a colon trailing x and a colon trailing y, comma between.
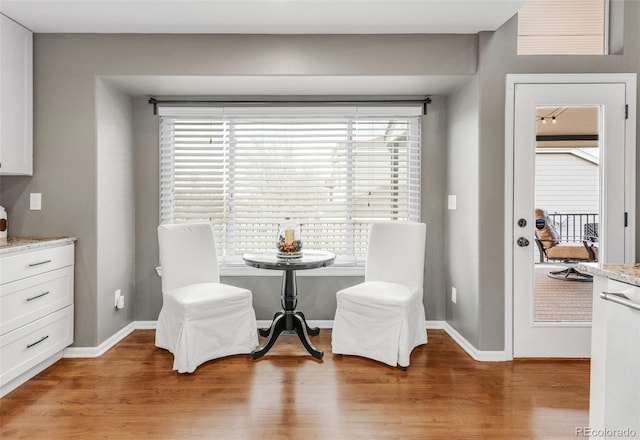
x: 187, y: 255
x: 396, y: 253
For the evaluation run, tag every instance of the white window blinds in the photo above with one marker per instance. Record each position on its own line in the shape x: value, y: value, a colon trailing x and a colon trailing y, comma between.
x: 334, y: 171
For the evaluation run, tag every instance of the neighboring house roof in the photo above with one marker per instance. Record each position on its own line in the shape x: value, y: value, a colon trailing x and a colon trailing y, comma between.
x: 578, y: 152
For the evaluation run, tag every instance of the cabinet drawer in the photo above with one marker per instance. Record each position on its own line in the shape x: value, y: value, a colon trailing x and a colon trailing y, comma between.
x: 32, y: 298
x: 29, y: 345
x: 23, y: 265
x: 630, y: 291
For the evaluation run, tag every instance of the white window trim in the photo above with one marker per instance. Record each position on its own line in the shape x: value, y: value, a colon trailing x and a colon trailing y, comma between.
x: 337, y: 269
x: 239, y: 269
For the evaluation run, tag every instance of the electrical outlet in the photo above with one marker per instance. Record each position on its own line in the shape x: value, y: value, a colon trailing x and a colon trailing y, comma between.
x: 454, y: 295
x: 117, y: 295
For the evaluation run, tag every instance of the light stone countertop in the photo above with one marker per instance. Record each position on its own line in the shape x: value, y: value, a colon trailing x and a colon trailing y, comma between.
x: 626, y: 273
x: 18, y: 244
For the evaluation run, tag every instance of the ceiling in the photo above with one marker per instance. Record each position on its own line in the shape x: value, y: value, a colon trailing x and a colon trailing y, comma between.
x: 571, y: 122
x: 269, y: 17
x: 261, y: 16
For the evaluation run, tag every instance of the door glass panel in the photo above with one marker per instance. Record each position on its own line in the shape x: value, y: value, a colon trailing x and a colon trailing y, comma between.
x: 567, y: 203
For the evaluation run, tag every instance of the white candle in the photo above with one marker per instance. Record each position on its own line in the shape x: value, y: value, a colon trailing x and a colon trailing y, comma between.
x: 289, y: 236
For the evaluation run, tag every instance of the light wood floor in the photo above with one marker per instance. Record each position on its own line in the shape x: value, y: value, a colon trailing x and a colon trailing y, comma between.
x: 131, y: 392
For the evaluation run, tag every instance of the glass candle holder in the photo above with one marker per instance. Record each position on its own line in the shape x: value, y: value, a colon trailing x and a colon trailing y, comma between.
x: 289, y: 242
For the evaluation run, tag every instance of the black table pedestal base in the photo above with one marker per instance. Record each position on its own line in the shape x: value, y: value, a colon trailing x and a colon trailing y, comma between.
x: 288, y: 319
x: 298, y: 324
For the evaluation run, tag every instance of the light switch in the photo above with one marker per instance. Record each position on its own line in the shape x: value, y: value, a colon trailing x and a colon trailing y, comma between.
x: 451, y: 202
x: 35, y: 201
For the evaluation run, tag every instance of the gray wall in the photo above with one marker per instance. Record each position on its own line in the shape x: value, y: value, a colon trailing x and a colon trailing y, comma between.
x: 146, y: 159
x: 462, y: 230
x: 115, y: 208
x: 66, y: 68
x: 434, y: 156
x: 497, y: 57
x: 64, y: 155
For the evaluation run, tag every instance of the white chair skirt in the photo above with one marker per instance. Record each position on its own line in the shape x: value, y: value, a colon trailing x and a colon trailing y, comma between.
x: 379, y: 320
x: 205, y: 321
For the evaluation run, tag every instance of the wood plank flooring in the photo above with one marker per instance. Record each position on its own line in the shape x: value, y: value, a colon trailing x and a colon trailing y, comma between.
x: 132, y: 393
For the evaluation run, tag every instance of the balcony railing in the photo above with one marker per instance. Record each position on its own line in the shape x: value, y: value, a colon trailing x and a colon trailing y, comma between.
x: 573, y: 229
x: 576, y: 227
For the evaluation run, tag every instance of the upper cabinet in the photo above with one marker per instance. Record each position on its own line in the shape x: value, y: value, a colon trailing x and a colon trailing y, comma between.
x: 16, y: 99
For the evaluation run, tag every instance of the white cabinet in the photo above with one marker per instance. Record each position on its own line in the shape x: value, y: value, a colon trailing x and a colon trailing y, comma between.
x: 16, y: 98
x: 36, y: 311
x: 615, y: 361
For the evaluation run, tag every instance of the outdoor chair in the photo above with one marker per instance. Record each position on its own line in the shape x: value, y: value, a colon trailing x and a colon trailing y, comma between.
x: 553, y: 248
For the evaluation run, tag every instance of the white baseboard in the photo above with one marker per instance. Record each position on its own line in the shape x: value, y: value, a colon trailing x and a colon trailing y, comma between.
x: 478, y: 355
x: 435, y: 325
x: 92, y: 352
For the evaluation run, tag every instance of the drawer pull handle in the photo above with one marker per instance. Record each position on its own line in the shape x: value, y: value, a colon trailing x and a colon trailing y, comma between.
x: 621, y: 299
x: 37, y: 342
x: 38, y: 296
x: 39, y: 263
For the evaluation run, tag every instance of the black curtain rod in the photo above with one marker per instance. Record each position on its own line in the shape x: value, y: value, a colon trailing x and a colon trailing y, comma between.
x: 155, y: 102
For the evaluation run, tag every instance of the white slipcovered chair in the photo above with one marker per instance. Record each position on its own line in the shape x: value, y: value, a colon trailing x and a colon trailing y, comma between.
x: 201, y: 319
x: 383, y: 318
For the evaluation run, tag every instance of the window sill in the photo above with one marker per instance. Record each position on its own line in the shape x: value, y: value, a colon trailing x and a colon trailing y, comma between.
x: 335, y: 270
x: 242, y: 270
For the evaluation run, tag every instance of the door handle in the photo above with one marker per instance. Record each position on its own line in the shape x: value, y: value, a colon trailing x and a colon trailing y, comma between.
x: 522, y: 242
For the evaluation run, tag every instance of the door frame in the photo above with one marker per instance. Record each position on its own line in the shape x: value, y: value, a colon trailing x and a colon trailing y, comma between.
x: 629, y: 79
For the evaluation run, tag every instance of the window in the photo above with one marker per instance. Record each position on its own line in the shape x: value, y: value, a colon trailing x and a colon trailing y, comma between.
x: 332, y: 169
x: 562, y: 27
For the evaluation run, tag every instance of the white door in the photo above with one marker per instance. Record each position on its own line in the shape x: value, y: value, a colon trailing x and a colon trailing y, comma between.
x: 533, y: 337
